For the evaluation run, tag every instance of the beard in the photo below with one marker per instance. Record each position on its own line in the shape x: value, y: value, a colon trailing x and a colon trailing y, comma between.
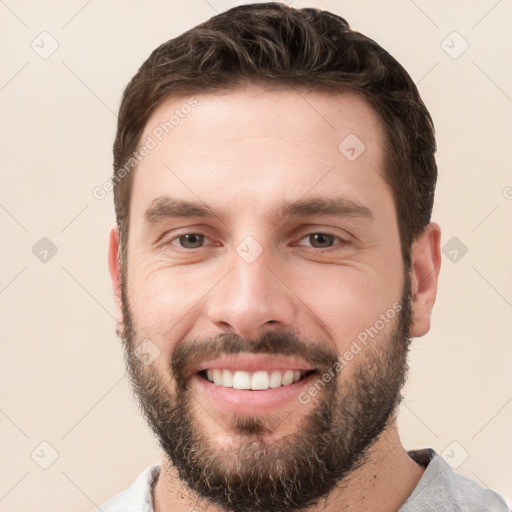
x: 256, y: 474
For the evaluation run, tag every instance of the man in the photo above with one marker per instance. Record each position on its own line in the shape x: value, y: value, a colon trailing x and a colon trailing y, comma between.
x: 274, y: 178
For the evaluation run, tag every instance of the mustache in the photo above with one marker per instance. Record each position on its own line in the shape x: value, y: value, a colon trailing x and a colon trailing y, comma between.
x: 189, y: 353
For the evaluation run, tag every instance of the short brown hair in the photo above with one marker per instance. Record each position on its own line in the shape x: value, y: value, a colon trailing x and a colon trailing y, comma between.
x: 277, y: 45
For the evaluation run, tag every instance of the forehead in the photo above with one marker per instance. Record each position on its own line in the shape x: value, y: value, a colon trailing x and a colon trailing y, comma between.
x: 260, y: 143
x: 307, y: 116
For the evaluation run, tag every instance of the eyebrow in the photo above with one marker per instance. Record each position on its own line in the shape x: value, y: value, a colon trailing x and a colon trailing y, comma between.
x: 166, y: 207
x: 339, y: 206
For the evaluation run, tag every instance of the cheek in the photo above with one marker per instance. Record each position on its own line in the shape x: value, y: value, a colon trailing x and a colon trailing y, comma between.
x: 347, y: 300
x: 164, y: 301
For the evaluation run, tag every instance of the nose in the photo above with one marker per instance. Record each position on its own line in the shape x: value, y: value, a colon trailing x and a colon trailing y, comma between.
x: 251, y: 298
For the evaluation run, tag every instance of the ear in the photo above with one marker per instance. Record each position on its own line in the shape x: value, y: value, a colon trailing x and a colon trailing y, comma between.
x: 115, y: 271
x: 426, y: 263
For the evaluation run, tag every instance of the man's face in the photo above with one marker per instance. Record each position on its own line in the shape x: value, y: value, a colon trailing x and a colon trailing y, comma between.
x: 264, y: 253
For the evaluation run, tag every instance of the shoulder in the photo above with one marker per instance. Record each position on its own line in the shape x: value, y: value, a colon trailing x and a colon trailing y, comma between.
x: 137, y: 497
x: 440, y: 489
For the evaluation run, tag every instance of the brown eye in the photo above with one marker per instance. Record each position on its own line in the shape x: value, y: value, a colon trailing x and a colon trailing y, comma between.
x: 325, y: 241
x: 190, y: 240
x: 321, y: 240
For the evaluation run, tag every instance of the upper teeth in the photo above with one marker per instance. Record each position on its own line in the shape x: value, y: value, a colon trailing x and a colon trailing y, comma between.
x: 259, y: 380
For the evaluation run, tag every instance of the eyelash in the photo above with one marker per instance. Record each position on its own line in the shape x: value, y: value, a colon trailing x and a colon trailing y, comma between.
x: 341, y: 241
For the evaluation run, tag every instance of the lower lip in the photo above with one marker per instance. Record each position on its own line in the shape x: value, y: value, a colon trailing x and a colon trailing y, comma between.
x: 249, y: 401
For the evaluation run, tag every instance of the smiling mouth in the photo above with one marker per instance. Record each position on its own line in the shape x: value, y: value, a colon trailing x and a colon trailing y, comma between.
x: 256, y: 381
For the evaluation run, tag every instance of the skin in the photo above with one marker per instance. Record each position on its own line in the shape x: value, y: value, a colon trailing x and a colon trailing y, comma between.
x: 241, y: 153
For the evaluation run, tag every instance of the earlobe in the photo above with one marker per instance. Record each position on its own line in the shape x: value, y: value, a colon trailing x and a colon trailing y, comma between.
x: 115, y: 272
x: 426, y: 263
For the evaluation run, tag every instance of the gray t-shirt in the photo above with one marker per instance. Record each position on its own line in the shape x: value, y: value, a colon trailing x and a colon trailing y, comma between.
x: 439, y: 490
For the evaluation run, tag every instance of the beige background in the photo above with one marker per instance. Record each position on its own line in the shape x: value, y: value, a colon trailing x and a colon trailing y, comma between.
x: 62, y: 374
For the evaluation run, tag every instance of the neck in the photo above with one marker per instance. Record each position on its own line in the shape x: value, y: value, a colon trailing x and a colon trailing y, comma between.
x: 382, y: 484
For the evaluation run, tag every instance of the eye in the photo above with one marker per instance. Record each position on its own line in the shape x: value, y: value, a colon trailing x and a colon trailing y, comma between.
x: 189, y: 240
x: 321, y: 240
